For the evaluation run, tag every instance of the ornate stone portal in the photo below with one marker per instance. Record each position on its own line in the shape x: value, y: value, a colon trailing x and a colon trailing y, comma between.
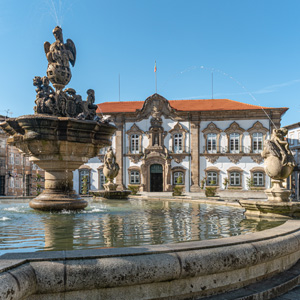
x: 64, y: 133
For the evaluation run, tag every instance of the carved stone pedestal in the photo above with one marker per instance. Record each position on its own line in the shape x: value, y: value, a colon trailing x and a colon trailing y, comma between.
x: 278, y: 192
x: 110, y: 186
x: 58, y: 193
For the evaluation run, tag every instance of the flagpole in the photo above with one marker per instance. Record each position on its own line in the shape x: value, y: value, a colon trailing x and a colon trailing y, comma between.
x: 155, y: 78
x: 119, y: 88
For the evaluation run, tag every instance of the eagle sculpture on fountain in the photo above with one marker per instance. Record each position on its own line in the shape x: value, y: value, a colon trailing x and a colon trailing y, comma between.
x: 59, y: 55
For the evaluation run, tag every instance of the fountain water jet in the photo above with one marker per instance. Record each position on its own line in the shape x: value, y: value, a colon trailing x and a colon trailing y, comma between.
x: 65, y: 131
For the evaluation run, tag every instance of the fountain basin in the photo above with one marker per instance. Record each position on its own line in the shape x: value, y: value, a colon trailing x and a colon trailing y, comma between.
x: 58, y: 145
x: 271, y: 209
x: 174, y: 271
x: 102, y: 194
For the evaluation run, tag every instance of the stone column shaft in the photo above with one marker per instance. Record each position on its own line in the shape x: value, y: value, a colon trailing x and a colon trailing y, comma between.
x: 195, y: 156
x: 119, y: 155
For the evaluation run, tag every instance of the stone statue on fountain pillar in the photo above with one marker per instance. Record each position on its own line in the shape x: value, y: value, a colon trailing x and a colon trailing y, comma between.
x: 279, y: 164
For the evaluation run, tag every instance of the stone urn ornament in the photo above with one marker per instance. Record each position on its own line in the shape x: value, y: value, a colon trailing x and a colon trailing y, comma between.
x: 279, y: 164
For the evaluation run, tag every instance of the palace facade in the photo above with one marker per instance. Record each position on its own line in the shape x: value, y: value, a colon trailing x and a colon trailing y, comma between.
x: 18, y: 176
x: 215, y: 142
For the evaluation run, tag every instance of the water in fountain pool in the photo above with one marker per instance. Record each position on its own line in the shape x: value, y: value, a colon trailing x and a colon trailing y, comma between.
x: 112, y: 223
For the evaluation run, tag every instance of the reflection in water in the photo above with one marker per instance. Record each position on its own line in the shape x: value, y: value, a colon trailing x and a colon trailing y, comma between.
x: 120, y: 224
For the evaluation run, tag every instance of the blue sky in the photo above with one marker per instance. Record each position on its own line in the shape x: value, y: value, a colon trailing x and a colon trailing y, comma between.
x: 251, y: 46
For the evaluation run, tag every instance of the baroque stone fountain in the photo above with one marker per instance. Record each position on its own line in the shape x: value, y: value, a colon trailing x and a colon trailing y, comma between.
x: 64, y: 132
x: 279, y: 165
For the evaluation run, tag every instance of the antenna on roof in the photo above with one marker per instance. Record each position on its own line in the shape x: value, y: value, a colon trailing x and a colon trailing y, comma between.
x: 212, y: 84
x: 119, y: 88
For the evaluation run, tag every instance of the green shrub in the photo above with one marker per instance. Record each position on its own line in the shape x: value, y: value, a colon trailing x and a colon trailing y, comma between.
x: 210, y: 191
x: 225, y: 182
x: 134, y: 189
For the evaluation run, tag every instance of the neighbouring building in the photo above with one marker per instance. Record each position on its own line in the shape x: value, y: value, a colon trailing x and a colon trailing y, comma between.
x: 18, y: 176
x: 293, y: 182
x: 214, y: 142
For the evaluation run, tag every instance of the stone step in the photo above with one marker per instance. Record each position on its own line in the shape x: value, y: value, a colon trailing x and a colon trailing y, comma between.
x: 284, y: 286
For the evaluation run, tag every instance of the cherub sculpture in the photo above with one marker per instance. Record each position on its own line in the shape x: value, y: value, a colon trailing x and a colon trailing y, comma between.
x: 59, y: 55
x: 111, y: 167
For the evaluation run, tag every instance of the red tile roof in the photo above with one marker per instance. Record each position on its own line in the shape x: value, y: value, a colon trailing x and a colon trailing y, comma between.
x: 179, y: 105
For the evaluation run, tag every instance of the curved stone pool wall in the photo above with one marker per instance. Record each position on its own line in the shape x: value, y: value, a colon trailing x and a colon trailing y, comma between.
x: 171, y: 271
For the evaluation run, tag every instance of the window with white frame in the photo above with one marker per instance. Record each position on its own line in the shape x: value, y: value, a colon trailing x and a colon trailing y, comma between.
x: 134, y: 177
x: 234, y: 142
x: 101, y: 179
x: 176, y: 178
x: 292, y: 139
x: 84, y: 179
x: 177, y: 142
x: 257, y: 142
x: 235, y: 179
x: 134, y: 140
x: 211, y: 178
x: 211, y: 143
x: 258, y: 179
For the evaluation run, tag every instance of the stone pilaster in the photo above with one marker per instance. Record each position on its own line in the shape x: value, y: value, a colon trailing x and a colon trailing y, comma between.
x: 119, y: 154
x: 195, y: 156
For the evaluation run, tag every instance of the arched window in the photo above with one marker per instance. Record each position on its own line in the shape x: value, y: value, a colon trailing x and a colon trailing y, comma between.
x: 134, y: 148
x: 211, y: 178
x: 176, y: 178
x: 178, y: 143
x: 134, y: 177
x: 257, y: 142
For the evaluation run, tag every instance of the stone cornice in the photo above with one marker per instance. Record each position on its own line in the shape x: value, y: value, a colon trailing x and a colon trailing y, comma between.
x: 233, y: 157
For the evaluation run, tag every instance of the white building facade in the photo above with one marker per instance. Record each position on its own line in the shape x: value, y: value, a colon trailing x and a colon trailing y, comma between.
x: 203, y: 142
